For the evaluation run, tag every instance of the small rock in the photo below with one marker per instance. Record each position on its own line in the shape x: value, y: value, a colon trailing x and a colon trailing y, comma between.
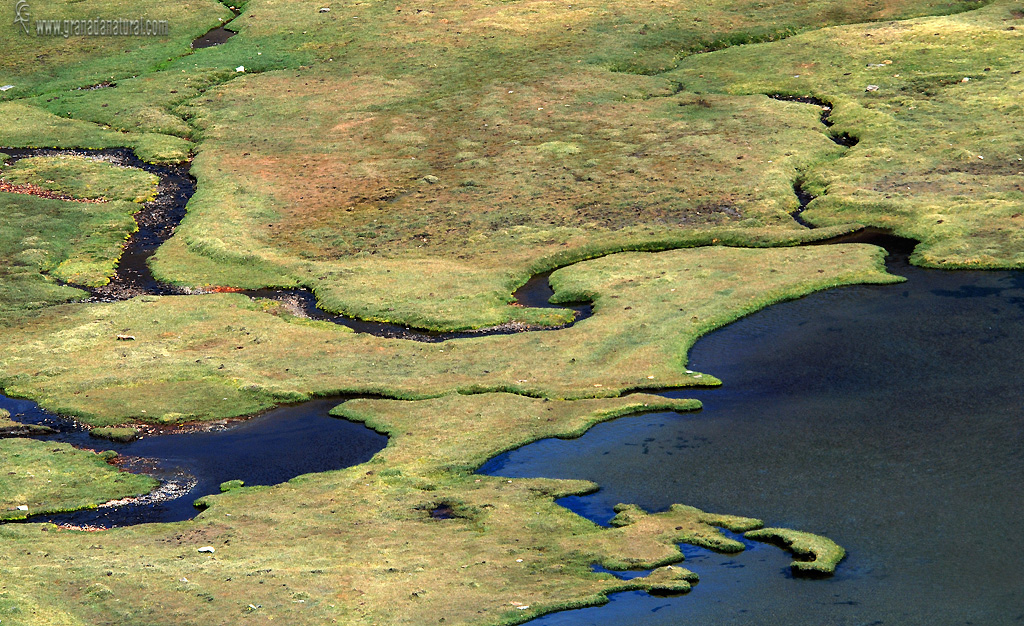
x: 871, y: 88
x: 126, y: 337
x: 965, y: 79
x: 430, y: 178
x: 240, y: 68
x: 324, y: 9
x: 207, y: 549
x: 6, y: 87
x: 22, y: 507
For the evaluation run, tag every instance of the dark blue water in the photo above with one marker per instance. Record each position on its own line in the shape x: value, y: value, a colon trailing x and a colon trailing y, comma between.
x: 889, y: 418
x: 265, y: 450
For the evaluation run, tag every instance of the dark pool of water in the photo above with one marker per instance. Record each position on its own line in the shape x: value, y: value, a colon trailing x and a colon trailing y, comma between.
x: 265, y: 450
x: 889, y: 418
x: 214, y: 37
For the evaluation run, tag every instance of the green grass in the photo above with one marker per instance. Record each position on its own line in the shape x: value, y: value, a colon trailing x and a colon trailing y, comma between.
x: 25, y: 126
x: 55, y: 477
x: 221, y: 355
x: 539, y: 132
x: 816, y: 555
x: 75, y: 242
x: 359, y: 546
x: 922, y: 168
x: 122, y: 435
x: 417, y: 164
x: 82, y: 177
x: 34, y: 64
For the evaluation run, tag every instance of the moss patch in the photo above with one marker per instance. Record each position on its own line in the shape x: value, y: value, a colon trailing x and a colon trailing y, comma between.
x: 122, y: 435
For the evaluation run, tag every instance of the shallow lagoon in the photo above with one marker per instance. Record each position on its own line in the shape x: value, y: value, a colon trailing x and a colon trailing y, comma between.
x: 888, y: 418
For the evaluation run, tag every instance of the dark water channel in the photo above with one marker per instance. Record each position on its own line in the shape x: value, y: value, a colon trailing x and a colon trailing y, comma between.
x: 265, y: 450
x: 888, y: 418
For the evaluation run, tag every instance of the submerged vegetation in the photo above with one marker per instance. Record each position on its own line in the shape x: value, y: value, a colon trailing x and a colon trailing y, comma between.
x: 417, y: 165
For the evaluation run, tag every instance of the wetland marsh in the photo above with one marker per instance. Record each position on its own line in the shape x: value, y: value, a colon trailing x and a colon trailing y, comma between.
x: 372, y: 210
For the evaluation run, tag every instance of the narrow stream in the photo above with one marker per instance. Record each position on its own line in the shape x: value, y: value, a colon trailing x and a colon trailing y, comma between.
x: 158, y: 219
x: 268, y: 449
x: 888, y: 418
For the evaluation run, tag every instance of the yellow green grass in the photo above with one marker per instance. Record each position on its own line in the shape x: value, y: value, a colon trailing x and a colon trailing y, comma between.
x: 940, y: 156
x: 83, y: 177
x: 477, y: 142
x: 123, y: 435
x: 43, y: 240
x: 416, y: 164
x: 816, y: 555
x: 359, y: 546
x: 34, y: 63
x: 218, y: 355
x: 72, y: 242
x: 50, y: 477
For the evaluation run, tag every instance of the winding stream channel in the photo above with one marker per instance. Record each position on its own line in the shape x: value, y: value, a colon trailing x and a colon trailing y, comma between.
x: 887, y: 418
x: 269, y: 449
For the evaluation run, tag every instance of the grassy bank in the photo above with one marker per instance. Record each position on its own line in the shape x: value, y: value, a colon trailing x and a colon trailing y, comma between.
x: 220, y: 355
x: 82, y: 177
x: 360, y: 546
x: 39, y: 477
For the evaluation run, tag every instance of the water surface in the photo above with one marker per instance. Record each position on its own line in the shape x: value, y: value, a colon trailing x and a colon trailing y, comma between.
x: 264, y: 450
x: 888, y: 418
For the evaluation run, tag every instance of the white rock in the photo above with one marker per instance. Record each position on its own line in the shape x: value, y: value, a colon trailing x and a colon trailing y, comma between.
x: 207, y: 549
x: 871, y: 88
x: 22, y: 507
x: 240, y: 68
x: 6, y: 87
